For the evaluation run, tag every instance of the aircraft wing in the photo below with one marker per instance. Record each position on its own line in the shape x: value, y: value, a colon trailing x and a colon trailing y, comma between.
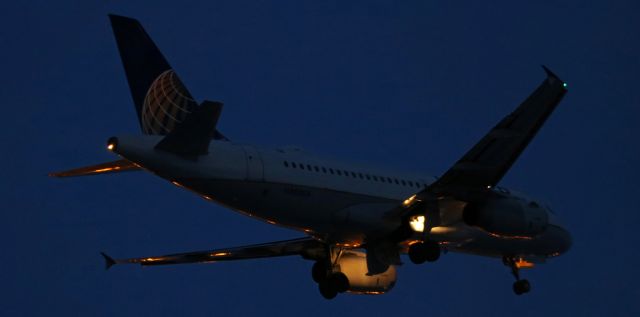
x: 302, y: 246
x: 103, y: 168
x: 489, y: 160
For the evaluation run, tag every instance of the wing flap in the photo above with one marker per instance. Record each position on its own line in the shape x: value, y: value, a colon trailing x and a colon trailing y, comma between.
x: 103, y: 168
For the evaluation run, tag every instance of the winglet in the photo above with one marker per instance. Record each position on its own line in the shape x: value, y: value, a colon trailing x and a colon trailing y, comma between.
x: 553, y: 76
x: 108, y: 261
x: 549, y: 72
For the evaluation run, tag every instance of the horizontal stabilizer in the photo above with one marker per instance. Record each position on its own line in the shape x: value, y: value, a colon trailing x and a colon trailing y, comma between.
x: 104, y: 168
x: 301, y: 246
x: 108, y: 261
x: 192, y: 136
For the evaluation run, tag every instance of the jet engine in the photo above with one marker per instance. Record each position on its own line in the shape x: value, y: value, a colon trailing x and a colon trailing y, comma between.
x: 353, y: 264
x: 511, y: 217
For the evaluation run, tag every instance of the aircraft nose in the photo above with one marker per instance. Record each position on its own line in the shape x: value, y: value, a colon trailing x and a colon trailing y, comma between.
x: 564, y: 240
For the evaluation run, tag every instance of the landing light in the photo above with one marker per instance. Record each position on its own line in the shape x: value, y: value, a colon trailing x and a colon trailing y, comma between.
x: 409, y: 200
x: 564, y: 85
x: 110, y: 146
x: 417, y: 223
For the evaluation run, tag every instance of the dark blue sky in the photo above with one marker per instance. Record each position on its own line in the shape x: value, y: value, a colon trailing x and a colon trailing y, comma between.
x: 407, y: 84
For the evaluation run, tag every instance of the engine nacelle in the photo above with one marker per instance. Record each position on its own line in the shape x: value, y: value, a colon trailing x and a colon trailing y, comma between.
x: 512, y: 217
x: 353, y: 264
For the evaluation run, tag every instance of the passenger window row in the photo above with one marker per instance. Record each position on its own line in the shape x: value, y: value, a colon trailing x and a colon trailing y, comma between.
x: 363, y: 176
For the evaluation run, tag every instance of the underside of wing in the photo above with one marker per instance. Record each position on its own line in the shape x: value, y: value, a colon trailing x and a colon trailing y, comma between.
x: 302, y: 246
x: 104, y: 168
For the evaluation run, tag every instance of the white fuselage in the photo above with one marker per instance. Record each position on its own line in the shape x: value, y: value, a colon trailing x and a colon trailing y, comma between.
x: 335, y: 201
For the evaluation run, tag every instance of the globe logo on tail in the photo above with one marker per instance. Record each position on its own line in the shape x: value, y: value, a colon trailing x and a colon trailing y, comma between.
x: 166, y: 104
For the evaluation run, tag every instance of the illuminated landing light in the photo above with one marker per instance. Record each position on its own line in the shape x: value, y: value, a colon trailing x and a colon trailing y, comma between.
x: 112, y: 143
x: 522, y: 264
x: 220, y: 254
x: 564, y: 85
x: 409, y: 200
x: 151, y: 259
x: 107, y: 169
x: 417, y: 223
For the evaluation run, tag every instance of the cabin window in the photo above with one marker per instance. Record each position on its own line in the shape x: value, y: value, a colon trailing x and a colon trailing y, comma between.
x: 286, y: 164
x: 324, y: 170
x: 410, y: 183
x: 354, y: 175
x: 375, y: 178
x: 368, y: 177
x: 293, y: 164
x: 396, y: 180
x: 361, y: 176
x: 403, y: 182
x: 339, y: 172
x: 331, y: 170
x: 309, y: 167
x: 316, y: 168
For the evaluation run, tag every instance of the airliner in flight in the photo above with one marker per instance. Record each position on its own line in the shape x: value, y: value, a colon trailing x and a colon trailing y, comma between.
x: 356, y: 221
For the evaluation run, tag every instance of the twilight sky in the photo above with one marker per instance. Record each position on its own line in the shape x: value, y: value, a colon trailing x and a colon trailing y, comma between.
x: 406, y: 84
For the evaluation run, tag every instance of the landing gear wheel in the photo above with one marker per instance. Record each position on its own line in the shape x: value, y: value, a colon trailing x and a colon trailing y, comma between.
x: 319, y: 271
x: 327, y: 290
x: 428, y: 251
x: 339, y: 281
x: 521, y: 287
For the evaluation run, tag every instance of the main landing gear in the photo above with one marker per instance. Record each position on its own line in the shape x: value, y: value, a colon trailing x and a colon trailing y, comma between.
x: 330, y: 282
x: 520, y: 286
x: 427, y: 251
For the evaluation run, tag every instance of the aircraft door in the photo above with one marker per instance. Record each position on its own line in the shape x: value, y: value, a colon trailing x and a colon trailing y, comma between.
x: 255, y: 168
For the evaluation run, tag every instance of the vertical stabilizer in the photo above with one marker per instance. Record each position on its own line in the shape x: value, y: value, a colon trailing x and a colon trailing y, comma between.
x: 160, y: 98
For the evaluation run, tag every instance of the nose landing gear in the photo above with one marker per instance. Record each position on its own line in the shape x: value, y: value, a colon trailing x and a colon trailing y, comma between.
x: 520, y: 286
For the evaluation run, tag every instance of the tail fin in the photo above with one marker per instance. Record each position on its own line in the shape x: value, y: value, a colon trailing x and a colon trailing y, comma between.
x: 161, y: 99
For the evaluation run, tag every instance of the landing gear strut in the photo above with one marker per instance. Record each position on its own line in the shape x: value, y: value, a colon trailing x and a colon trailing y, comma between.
x: 330, y: 282
x: 520, y: 286
x: 420, y: 252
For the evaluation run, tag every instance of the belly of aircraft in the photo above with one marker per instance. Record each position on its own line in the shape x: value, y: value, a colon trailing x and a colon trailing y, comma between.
x: 318, y: 210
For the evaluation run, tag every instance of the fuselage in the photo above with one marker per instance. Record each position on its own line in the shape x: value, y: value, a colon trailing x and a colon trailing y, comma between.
x: 338, y: 202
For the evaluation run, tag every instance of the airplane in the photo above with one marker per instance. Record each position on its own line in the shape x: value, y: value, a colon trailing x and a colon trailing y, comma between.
x: 357, y: 220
